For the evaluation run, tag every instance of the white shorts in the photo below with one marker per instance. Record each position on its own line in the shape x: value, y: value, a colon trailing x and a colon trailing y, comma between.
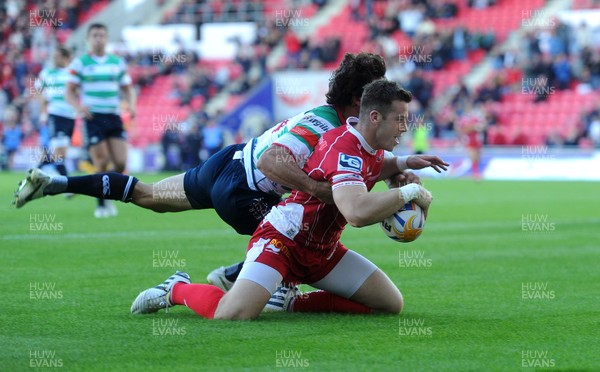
x: 344, y: 279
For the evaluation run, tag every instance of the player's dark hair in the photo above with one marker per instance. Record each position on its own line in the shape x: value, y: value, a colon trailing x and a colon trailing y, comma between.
x: 64, y: 52
x: 379, y: 96
x: 349, y: 79
x: 101, y: 26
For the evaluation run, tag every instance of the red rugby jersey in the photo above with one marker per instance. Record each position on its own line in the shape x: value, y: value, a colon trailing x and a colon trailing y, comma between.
x: 342, y: 157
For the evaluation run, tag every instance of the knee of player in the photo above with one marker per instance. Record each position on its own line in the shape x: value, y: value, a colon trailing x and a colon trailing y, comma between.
x: 119, y: 168
x: 399, y: 304
x: 394, y: 304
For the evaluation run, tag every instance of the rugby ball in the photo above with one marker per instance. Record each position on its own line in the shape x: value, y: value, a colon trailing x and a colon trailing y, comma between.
x: 406, y: 225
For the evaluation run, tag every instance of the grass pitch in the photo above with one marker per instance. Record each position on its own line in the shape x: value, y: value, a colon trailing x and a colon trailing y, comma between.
x: 505, y: 276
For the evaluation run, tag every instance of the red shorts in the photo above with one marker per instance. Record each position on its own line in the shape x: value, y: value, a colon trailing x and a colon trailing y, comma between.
x: 296, y: 263
x: 474, y: 145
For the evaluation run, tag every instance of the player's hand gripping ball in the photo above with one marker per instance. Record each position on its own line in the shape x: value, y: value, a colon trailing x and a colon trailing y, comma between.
x: 406, y: 225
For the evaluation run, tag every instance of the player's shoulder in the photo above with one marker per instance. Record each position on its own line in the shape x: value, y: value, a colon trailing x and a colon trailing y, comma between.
x: 340, y: 135
x: 339, y: 140
x: 113, y: 58
x: 324, y: 117
x: 45, y: 72
x: 80, y: 61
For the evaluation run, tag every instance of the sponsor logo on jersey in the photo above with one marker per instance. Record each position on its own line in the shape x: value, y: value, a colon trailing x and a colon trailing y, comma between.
x: 276, y: 246
x: 105, y: 185
x: 349, y: 163
x: 318, y: 122
x: 322, y: 144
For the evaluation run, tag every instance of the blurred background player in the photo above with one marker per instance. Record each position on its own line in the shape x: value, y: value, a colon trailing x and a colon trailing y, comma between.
x: 59, y: 115
x: 420, y: 142
x: 471, y: 126
x: 298, y: 241
x: 100, y: 77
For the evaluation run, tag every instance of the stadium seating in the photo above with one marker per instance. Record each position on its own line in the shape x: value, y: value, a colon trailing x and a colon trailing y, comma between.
x: 561, y: 112
x: 502, y: 18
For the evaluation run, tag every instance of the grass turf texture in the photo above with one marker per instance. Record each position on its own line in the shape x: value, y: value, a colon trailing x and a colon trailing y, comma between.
x: 464, y: 306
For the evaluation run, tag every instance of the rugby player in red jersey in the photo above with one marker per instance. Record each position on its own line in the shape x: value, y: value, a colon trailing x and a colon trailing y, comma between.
x: 298, y: 241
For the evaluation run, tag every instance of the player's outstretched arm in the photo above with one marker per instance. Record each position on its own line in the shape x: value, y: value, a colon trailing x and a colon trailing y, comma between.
x: 362, y: 208
x: 279, y: 165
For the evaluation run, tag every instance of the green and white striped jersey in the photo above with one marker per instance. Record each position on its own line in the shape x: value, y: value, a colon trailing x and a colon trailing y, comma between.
x: 53, y: 83
x: 99, y: 80
x: 299, y: 134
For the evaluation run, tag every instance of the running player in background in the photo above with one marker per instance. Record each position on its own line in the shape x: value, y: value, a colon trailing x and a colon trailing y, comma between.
x: 100, y: 77
x: 59, y: 115
x: 471, y: 125
x: 298, y: 241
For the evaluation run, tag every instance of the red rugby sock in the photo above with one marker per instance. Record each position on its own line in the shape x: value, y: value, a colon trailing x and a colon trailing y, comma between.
x: 202, y: 298
x: 475, y: 168
x: 326, y: 302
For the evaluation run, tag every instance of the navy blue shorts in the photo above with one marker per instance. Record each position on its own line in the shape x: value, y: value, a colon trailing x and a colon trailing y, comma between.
x: 60, y: 126
x: 101, y: 127
x: 220, y: 183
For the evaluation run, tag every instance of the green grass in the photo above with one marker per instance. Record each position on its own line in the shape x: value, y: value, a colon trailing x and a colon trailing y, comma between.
x: 469, y: 300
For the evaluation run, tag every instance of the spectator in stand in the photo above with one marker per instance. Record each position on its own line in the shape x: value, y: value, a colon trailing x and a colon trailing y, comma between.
x: 201, y: 83
x: 244, y: 56
x: 192, y: 143
x: 593, y: 130
x: 445, y: 123
x: 562, y: 72
x: 573, y: 137
x: 541, y: 67
x: 490, y: 91
x: 554, y: 139
x: 591, y: 60
x: 320, y: 3
x: 3, y: 102
x: 541, y: 88
x: 585, y: 84
x: 582, y: 38
x: 293, y: 49
x: 331, y: 49
x: 461, y: 98
x: 441, y: 9
x: 421, y: 88
x: 459, y: 43
x: 169, y: 140
x: 426, y: 27
x: 355, y: 10
x: 212, y: 135
x: 480, y: 4
x: 12, y: 135
x: 410, y: 18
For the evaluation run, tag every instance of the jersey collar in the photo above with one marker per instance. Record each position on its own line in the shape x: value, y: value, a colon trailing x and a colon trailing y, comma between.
x: 349, y: 125
x: 99, y: 59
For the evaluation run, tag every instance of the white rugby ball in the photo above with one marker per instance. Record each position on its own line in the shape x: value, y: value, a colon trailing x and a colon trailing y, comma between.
x: 406, y: 225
